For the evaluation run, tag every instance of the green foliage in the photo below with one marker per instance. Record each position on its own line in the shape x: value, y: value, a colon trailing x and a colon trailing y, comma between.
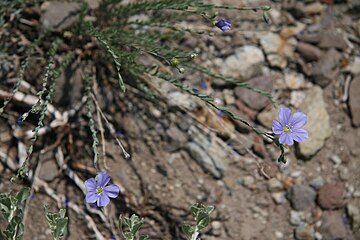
x: 11, y: 208
x: 201, y: 215
x: 133, y: 224
x: 57, y: 223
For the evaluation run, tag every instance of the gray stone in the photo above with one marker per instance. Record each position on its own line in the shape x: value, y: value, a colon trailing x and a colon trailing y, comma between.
x: 252, y: 99
x: 176, y: 134
x: 274, y: 185
x: 296, y: 218
x: 208, y: 151
x: 248, y: 181
x: 327, y: 68
x: 332, y: 226
x: 305, y: 232
x: 60, y: 15
x: 308, y: 51
x: 278, y: 197
x: 354, y: 215
x: 317, y: 182
x: 244, y: 64
x: 318, y: 124
x: 301, y: 197
x: 179, y: 99
x: 48, y: 170
x: 277, y: 49
x: 333, y: 38
x: 354, y: 101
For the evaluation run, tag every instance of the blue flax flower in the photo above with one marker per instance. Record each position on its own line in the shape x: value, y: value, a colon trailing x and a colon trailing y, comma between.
x: 223, y: 25
x: 98, y: 191
x: 290, y: 126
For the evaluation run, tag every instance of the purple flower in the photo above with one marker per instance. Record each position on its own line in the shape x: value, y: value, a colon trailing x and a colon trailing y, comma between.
x: 20, y: 120
x: 223, y: 25
x: 289, y: 127
x: 98, y: 191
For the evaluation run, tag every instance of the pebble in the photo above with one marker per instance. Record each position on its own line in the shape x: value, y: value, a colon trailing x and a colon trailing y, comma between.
x: 336, y: 160
x: 252, y: 99
x: 331, y: 196
x: 304, y: 232
x: 176, y: 134
x: 216, y: 228
x: 318, y: 124
x: 354, y: 67
x: 332, y: 226
x: 278, y: 197
x: 354, y: 100
x: 344, y: 173
x: 301, y: 197
x: 277, y: 49
x: 308, y: 51
x: 248, y: 181
x: 244, y: 64
x: 326, y: 69
x: 267, y: 116
x: 59, y: 15
x: 179, y: 99
x: 274, y: 185
x: 354, y: 214
x: 294, y: 80
x: 296, y: 217
x: 279, y: 235
x: 229, y: 97
x: 48, y: 171
x: 317, y: 182
x: 296, y: 98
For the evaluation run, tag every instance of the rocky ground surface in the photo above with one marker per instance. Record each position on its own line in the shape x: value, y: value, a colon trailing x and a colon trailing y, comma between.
x: 183, y: 152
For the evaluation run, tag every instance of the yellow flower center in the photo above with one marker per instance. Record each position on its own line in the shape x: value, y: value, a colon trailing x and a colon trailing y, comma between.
x: 287, y: 129
x: 99, y: 190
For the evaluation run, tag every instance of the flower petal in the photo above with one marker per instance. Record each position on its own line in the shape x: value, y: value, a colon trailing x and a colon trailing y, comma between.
x: 298, y: 120
x: 112, y: 191
x: 91, y: 197
x: 286, y: 139
x: 300, y: 135
x: 284, y: 116
x: 103, y: 178
x: 277, y: 128
x: 103, y: 200
x: 90, y: 184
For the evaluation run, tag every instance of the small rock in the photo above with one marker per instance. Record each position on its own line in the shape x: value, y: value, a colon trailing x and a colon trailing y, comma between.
x: 318, y: 124
x: 354, y: 101
x: 216, y: 228
x: 278, y: 197
x: 48, y: 171
x: 176, y: 134
x: 279, y: 235
x: 301, y: 197
x: 131, y: 126
x: 331, y: 196
x: 333, y: 38
x: 326, y: 69
x: 332, y: 227
x: 274, y: 185
x: 277, y: 49
x: 252, y: 99
x: 267, y: 116
x: 336, y: 160
x: 229, y: 97
x: 244, y: 64
x: 179, y: 99
x: 296, y: 218
x: 308, y: 51
x: 305, y: 232
x: 354, y: 67
x: 344, y: 173
x: 317, y: 182
x: 314, y: 8
x: 354, y: 215
x: 294, y: 80
x: 248, y: 181
x: 60, y: 15
x: 296, y: 98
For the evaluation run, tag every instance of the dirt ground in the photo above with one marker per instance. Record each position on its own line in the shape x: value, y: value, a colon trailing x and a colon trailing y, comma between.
x: 171, y: 138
